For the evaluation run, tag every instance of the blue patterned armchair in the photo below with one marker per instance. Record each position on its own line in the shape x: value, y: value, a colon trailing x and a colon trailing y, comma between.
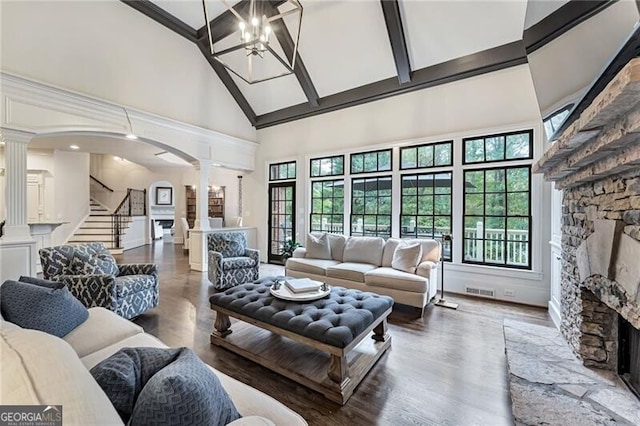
x: 95, y: 279
x: 230, y: 261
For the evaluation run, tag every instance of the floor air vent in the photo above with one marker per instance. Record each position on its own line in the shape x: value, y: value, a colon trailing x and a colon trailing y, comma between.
x: 477, y: 291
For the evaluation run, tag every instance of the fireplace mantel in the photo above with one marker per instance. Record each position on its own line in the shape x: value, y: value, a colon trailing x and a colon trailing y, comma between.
x: 604, y: 140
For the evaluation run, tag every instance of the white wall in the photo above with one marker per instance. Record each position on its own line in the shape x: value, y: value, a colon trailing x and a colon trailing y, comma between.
x: 109, y: 50
x: 71, y: 186
x: 500, y: 101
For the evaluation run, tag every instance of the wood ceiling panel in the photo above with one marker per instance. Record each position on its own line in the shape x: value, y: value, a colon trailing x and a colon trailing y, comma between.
x: 438, y: 31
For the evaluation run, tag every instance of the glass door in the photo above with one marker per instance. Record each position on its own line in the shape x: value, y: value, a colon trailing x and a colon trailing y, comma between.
x: 282, y: 207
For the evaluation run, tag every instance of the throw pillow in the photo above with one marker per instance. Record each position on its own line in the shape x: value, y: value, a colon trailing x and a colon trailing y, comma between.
x: 123, y: 375
x: 94, y: 264
x: 406, y: 257
x: 186, y: 392
x: 52, y: 310
x: 318, y: 247
x: 40, y: 282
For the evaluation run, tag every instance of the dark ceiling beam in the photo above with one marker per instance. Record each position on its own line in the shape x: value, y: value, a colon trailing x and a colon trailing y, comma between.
x: 560, y: 21
x: 391, y: 12
x: 490, y: 60
x: 226, y: 23
x: 159, y: 15
x: 162, y: 17
x: 288, y: 45
x: 228, y: 82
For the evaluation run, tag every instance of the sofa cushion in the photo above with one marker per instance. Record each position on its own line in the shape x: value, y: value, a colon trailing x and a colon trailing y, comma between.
x: 237, y: 262
x: 101, y: 329
x: 15, y: 384
x: 94, y: 264
x: 363, y: 250
x: 184, y: 392
x: 136, y: 341
x: 392, y: 278
x: 406, y: 257
x: 310, y: 266
x: 431, y: 249
x: 350, y: 271
x: 52, y: 310
x: 129, y: 284
x: 58, y: 377
x: 389, y: 248
x: 318, y: 246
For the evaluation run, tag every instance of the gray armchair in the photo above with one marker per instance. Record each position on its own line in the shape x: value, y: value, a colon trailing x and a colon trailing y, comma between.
x: 230, y: 261
x: 95, y: 279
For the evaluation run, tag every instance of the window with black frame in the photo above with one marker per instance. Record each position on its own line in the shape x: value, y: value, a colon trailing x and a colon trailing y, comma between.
x: 499, y: 147
x: 497, y: 216
x: 369, y: 162
x: 429, y: 155
x: 282, y: 171
x: 425, y: 210
x: 327, y: 166
x: 371, y: 206
x: 327, y: 206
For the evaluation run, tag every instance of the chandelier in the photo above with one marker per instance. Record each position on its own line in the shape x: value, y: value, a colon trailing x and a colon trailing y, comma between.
x: 261, y: 47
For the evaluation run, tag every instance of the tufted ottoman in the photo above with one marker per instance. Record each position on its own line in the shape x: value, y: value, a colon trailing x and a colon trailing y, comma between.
x: 320, y: 344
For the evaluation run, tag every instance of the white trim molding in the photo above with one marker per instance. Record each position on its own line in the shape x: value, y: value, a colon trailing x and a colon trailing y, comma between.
x: 37, y: 108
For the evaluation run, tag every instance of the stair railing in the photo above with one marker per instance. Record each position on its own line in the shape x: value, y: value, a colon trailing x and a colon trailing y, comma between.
x: 96, y: 180
x: 133, y: 204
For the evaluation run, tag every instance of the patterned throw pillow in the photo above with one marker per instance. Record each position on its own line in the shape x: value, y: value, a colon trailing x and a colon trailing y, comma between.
x: 230, y: 244
x: 164, y: 387
x: 52, y: 310
x: 40, y: 282
x: 94, y: 264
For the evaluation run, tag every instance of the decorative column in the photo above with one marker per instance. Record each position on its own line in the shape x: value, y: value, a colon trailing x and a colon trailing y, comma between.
x: 15, y: 154
x: 202, y: 196
x: 198, y: 259
x: 17, y: 248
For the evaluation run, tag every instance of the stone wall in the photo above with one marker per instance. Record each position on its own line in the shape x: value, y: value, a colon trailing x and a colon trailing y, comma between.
x: 590, y: 308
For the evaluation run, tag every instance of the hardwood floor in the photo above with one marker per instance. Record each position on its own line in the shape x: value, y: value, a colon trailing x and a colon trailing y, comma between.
x: 446, y: 368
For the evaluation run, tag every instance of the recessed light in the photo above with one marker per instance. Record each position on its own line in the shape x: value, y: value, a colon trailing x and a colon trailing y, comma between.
x: 74, y: 147
x: 131, y: 136
x: 216, y: 165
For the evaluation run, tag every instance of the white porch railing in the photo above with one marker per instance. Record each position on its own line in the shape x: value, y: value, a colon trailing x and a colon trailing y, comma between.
x: 493, y: 249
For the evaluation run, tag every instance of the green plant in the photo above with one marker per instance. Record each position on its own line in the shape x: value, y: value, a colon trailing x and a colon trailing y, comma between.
x: 288, y: 249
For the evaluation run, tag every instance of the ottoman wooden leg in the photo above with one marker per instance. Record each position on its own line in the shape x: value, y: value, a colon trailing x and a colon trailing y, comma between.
x: 221, y: 325
x: 337, y: 368
x: 380, y: 332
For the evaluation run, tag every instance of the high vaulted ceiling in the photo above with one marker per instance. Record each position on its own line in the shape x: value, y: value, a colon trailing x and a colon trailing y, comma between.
x: 357, y: 51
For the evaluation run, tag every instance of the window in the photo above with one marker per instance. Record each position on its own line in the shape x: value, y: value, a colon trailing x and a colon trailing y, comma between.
x: 374, y: 161
x: 327, y: 206
x: 282, y: 171
x: 371, y: 206
x: 329, y: 166
x: 423, y: 156
x: 553, y: 122
x: 426, y: 205
x: 505, y: 146
x: 497, y: 221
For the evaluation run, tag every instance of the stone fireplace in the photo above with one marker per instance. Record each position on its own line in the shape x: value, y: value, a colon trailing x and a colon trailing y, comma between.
x: 600, y: 265
x: 596, y: 162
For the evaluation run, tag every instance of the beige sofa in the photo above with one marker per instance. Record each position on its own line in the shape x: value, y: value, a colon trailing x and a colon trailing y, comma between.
x: 365, y: 263
x: 41, y: 369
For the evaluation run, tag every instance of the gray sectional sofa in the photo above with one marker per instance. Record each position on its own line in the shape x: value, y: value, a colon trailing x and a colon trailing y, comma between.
x: 366, y: 263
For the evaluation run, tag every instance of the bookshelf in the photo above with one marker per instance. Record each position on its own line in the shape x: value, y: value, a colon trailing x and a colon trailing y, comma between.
x: 216, y: 204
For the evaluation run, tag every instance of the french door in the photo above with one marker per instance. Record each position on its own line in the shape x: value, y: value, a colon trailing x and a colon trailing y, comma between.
x: 282, y: 207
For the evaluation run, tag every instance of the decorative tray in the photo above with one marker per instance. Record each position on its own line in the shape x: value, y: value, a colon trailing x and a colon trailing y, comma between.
x: 284, y: 293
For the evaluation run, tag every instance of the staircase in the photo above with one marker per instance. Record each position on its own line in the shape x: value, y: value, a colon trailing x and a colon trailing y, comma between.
x: 98, y: 227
